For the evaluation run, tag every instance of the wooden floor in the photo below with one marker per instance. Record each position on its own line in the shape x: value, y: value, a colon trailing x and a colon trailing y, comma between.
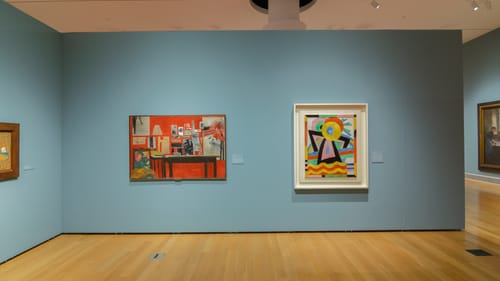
x: 398, y: 256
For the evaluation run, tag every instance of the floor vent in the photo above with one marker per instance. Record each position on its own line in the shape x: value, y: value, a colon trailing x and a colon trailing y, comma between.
x: 479, y: 252
x: 157, y: 256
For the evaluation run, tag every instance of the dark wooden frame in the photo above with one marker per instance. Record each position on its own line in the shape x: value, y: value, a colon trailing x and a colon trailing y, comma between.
x: 13, y: 172
x: 492, y: 160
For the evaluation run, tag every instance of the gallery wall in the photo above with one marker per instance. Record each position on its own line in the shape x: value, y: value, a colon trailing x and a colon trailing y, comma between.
x: 481, y: 60
x: 411, y: 80
x: 30, y: 94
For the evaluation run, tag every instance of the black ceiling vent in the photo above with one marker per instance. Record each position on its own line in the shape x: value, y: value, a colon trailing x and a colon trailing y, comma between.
x: 263, y: 5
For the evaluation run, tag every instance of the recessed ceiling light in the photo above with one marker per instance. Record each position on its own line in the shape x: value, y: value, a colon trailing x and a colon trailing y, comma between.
x: 375, y: 4
x: 475, y: 6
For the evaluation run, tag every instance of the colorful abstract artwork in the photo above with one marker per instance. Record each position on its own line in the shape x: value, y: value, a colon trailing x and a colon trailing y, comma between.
x: 9, y: 151
x: 330, y: 146
x: 177, y: 147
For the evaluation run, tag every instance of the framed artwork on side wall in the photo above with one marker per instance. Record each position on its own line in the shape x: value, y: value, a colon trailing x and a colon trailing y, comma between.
x: 488, y: 137
x: 330, y: 146
x: 9, y: 151
x: 177, y: 147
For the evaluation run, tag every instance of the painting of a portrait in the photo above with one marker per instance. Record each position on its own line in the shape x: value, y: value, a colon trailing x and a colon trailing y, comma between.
x: 488, y: 136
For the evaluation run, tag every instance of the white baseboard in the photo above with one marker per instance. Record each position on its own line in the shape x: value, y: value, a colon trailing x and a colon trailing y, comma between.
x: 484, y: 178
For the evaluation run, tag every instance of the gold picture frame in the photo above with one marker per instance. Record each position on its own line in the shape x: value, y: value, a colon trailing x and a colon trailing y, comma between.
x: 9, y: 151
x: 488, y: 136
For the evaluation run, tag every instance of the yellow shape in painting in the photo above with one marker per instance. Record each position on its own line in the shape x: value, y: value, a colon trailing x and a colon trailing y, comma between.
x: 310, y: 149
x: 331, y: 131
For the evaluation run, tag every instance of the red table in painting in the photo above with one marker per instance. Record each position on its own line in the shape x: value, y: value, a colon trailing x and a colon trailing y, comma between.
x: 171, y: 160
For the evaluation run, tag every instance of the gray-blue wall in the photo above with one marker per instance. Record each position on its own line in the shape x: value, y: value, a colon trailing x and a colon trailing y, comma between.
x: 481, y: 60
x: 412, y: 81
x: 30, y: 94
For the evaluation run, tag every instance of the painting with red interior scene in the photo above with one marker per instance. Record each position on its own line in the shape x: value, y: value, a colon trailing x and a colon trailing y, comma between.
x: 177, y: 147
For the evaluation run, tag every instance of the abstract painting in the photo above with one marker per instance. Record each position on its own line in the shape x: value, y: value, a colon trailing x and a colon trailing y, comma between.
x: 488, y: 137
x: 177, y: 147
x: 330, y: 146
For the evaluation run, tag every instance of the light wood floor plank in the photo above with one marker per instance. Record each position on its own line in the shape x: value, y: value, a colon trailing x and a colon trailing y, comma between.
x: 321, y: 256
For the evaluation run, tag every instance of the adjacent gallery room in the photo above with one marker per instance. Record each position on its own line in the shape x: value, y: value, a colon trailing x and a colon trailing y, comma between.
x: 244, y: 154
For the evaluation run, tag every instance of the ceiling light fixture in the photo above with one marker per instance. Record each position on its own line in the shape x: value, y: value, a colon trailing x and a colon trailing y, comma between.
x: 375, y: 4
x: 263, y: 5
x: 475, y: 6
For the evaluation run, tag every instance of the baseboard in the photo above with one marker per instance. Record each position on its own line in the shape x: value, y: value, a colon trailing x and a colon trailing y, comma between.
x: 490, y: 179
x: 266, y: 232
x: 31, y: 248
x: 244, y: 232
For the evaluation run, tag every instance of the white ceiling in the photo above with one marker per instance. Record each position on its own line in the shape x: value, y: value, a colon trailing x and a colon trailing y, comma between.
x: 167, y: 15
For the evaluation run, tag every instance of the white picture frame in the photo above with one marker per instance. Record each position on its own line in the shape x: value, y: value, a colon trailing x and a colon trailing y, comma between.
x: 330, y: 146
